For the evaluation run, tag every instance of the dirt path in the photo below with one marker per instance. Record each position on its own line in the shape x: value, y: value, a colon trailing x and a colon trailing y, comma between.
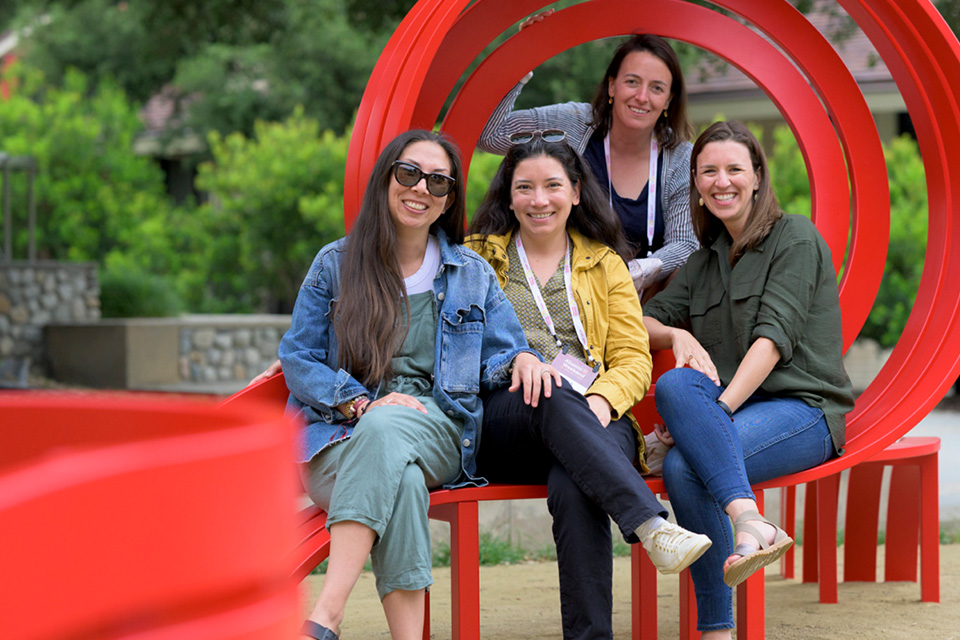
x: 522, y: 602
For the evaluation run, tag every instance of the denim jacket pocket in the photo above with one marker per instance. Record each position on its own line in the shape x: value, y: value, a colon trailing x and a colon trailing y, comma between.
x: 704, y: 317
x: 460, y: 350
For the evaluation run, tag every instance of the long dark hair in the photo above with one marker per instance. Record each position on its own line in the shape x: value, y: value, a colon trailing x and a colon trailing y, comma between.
x: 670, y: 130
x: 765, y: 210
x: 592, y: 217
x: 368, y: 316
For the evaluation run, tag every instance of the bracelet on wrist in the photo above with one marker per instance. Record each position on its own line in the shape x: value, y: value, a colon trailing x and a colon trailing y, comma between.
x: 360, y: 405
x: 350, y: 411
x: 726, y: 409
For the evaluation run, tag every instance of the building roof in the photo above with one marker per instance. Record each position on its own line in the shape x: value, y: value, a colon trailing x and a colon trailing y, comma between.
x: 851, y: 44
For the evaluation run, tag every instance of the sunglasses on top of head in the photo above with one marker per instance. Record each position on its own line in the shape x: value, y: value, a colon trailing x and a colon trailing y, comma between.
x: 409, y: 175
x: 547, y: 135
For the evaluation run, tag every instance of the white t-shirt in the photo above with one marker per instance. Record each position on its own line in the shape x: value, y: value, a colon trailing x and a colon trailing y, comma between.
x: 422, y: 280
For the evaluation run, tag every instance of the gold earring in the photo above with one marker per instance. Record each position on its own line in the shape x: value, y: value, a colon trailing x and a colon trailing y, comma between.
x: 610, y: 100
x: 701, y: 202
x: 664, y: 113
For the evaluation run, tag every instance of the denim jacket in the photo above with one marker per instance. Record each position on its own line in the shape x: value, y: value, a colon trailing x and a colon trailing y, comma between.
x: 478, y: 336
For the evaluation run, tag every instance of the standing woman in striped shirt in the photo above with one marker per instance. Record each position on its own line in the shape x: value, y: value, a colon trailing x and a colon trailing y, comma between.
x: 635, y: 137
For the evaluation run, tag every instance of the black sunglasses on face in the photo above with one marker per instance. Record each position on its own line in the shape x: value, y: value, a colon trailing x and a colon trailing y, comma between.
x: 547, y: 135
x: 409, y: 175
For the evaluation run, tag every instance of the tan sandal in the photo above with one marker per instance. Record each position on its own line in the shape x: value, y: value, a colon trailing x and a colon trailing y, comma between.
x: 752, y: 558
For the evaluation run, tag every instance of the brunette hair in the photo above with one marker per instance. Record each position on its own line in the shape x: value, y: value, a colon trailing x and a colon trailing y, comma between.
x: 670, y: 130
x: 592, y: 217
x: 368, y: 315
x: 765, y: 211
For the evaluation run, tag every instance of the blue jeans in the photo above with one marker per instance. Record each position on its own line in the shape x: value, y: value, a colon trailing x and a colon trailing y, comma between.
x: 716, y: 459
x: 590, y: 478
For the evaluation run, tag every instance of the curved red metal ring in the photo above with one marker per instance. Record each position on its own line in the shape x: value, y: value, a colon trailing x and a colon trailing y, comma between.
x: 922, y: 54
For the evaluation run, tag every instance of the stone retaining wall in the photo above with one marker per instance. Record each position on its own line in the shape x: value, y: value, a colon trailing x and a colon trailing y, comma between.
x: 215, y: 353
x: 207, y: 353
x: 228, y: 348
x: 33, y: 294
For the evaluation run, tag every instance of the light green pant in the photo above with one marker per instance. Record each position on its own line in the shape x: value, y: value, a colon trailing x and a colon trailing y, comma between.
x: 380, y: 478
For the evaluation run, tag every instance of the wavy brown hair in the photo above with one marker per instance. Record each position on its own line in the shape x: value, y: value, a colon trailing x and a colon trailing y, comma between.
x: 592, y: 217
x: 368, y: 315
x: 675, y: 127
x: 765, y: 211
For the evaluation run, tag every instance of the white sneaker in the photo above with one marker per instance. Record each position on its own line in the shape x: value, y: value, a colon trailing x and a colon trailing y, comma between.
x: 672, y: 548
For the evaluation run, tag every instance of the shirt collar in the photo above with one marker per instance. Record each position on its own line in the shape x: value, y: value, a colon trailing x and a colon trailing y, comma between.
x: 450, y: 254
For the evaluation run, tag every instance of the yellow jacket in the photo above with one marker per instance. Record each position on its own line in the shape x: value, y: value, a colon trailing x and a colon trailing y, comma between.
x: 611, y: 316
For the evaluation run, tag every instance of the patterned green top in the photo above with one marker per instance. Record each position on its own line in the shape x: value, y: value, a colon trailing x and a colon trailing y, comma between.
x: 555, y: 297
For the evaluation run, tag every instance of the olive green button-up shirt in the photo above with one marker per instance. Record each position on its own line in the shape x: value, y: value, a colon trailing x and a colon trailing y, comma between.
x: 785, y: 290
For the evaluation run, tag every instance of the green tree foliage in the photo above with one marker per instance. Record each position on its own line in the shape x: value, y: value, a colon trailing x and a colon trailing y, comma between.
x: 126, y: 293
x: 376, y: 15
x: 572, y: 75
x: 277, y: 198
x: 950, y: 10
x: 137, y: 43
x: 317, y: 58
x: 91, y: 192
x: 323, y: 60
x: 908, y: 243
x: 788, y: 173
x: 483, y: 166
x: 239, y: 85
x: 242, y: 60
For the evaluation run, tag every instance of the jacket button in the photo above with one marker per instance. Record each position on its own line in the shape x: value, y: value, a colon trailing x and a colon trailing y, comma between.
x: 466, y: 442
x: 440, y: 296
x: 451, y: 413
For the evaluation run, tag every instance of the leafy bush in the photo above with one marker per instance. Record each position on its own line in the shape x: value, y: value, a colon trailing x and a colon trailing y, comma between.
x: 276, y: 199
x: 788, y: 173
x: 483, y: 166
x: 126, y: 293
x: 92, y: 193
x: 908, y: 243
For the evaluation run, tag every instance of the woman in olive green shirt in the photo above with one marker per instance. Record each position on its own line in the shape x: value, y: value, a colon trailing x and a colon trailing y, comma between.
x: 755, y: 315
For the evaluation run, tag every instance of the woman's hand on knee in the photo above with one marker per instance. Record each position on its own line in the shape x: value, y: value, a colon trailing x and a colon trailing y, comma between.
x: 397, y: 400
x: 532, y: 375
x: 690, y: 353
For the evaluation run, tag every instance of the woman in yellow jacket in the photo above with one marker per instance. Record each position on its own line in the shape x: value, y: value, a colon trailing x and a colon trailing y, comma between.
x: 547, y: 229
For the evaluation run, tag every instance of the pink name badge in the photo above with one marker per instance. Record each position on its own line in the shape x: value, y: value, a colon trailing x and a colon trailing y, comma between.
x: 577, y: 373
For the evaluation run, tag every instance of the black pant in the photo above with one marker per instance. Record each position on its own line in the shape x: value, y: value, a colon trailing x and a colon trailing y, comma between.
x: 589, y: 475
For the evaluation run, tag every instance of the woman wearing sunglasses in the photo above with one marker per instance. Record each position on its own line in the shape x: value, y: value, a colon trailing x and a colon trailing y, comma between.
x: 547, y: 230
x: 635, y: 138
x: 395, y: 332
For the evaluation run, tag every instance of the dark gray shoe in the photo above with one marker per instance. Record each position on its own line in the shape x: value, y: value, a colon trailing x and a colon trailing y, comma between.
x: 318, y: 631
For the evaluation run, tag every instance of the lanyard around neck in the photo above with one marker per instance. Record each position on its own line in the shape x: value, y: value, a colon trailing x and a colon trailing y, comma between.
x: 541, y: 303
x: 651, y: 188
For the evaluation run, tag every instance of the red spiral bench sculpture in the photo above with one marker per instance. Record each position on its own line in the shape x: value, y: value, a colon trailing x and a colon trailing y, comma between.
x: 801, y: 73
x: 139, y: 517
